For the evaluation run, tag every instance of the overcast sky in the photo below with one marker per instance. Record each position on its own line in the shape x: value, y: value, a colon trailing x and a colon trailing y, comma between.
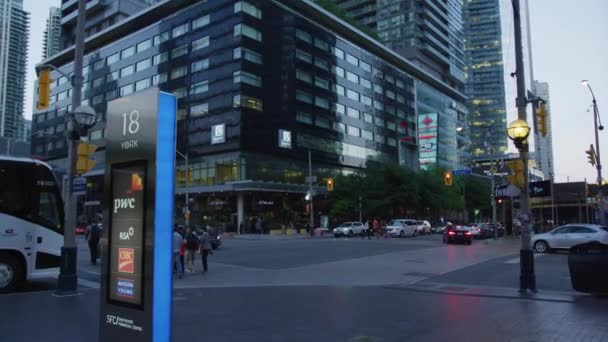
x: 569, y: 44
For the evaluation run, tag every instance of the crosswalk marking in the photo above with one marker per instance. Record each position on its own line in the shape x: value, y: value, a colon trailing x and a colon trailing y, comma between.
x: 516, y: 260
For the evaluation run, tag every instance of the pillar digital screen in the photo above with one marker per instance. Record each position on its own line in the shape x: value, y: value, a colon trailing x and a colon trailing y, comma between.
x: 127, y: 233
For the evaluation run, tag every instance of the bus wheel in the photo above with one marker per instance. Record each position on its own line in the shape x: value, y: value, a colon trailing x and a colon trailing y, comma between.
x: 10, y: 272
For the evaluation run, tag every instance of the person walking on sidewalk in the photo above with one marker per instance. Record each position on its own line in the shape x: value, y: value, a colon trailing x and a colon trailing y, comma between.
x: 205, y: 249
x: 177, y: 243
x: 192, y: 245
x: 93, y: 236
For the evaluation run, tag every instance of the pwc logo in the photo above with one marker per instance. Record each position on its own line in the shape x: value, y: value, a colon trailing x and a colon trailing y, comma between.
x: 124, y: 203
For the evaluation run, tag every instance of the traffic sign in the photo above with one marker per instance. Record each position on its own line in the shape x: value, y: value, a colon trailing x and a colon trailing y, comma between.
x: 461, y: 172
x: 79, y: 186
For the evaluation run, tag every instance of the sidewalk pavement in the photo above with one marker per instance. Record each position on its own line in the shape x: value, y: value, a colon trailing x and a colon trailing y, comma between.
x: 320, y: 314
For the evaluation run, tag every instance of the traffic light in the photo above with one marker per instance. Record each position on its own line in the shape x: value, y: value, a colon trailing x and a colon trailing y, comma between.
x: 591, y: 155
x: 516, y: 177
x: 44, y: 89
x: 330, y: 184
x: 84, y: 162
x: 448, y: 178
x: 541, y: 119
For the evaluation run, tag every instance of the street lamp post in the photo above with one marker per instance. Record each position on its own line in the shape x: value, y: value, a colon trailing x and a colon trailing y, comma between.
x: 79, y: 122
x: 187, y: 213
x: 598, y: 163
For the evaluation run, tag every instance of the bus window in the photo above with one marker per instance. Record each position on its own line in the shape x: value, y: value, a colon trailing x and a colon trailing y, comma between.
x: 48, y: 213
x: 15, y: 191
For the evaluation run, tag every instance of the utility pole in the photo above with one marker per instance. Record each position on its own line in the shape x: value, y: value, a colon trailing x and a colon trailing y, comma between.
x: 527, y: 278
x: 187, y: 213
x: 312, y: 197
x: 552, y: 201
x: 598, y: 163
x: 67, y: 282
x: 360, y: 209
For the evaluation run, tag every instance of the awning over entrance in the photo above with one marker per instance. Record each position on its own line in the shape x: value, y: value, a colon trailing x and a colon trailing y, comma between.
x: 249, y: 185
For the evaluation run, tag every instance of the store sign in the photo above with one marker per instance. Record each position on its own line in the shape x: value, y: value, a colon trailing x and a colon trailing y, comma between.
x: 427, y: 140
x: 136, y: 285
x: 218, y: 134
x: 284, y: 139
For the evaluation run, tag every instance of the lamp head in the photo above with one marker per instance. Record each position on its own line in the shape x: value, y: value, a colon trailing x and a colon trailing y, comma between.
x: 518, y: 130
x: 585, y: 82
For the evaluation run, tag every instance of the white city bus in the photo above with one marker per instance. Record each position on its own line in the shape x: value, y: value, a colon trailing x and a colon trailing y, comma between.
x: 31, y: 222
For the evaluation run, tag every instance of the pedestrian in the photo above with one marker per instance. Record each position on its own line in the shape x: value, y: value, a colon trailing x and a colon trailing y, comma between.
x: 93, y: 236
x: 258, y: 226
x: 376, y: 226
x: 192, y: 245
x: 205, y: 249
x: 368, y: 230
x: 177, y: 244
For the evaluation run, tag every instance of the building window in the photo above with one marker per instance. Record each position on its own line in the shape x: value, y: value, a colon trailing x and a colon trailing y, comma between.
x: 354, y: 131
x: 303, y: 35
x: 199, y: 87
x: 365, y: 82
x: 181, y: 114
x: 111, y: 59
x: 379, y: 122
x: 304, y: 56
x: 247, y: 78
x: 352, y: 59
x: 96, y: 134
x: 180, y: 30
x: 304, y: 118
x: 353, y: 95
x: 379, y: 138
x: 247, y: 102
x: 200, y: 43
x: 126, y: 90
x: 303, y: 76
x: 321, y: 44
x: 142, y: 65
x: 321, y: 102
x: 321, y: 83
x: 145, y: 45
x: 244, y: 6
x: 98, y: 82
x: 59, y: 144
x: 367, y: 117
x: 390, y: 94
x: 179, y: 92
x: 366, y: 100
x: 128, y: 52
x: 161, y: 57
x: 199, y: 65
x: 160, y: 78
x: 179, y: 51
x: 399, y: 84
x: 199, y: 110
x: 111, y: 95
x: 248, y: 31
x: 400, y: 114
x: 339, y: 53
x: 247, y: 54
x: 200, y: 22
x: 366, y: 66
x: 142, y: 84
x: 98, y: 99
x: 352, y: 77
x: 340, y: 90
x: 39, y: 149
x: 378, y: 105
x: 304, y: 96
x: 391, y: 141
x: 378, y: 89
x: 339, y: 72
x: 321, y: 63
x: 322, y: 122
x: 340, y: 127
x: 99, y: 64
x: 390, y: 79
x: 126, y: 71
x: 400, y: 98
x: 367, y: 134
x: 178, y: 72
x: 391, y: 125
x: 353, y: 113
x: 161, y: 38
x: 378, y: 73
x: 340, y: 109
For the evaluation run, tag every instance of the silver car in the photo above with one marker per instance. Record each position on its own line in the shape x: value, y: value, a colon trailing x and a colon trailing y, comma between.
x: 564, y: 237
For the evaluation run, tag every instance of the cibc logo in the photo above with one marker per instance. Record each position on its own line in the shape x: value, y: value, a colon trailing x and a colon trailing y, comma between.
x: 124, y: 203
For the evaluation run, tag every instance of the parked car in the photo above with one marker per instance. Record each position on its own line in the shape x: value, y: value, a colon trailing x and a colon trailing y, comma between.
x: 564, y: 237
x: 457, y: 234
x: 402, y: 228
x: 350, y: 229
x: 423, y: 227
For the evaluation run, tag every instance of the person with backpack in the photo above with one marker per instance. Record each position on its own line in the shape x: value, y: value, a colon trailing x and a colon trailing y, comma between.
x: 192, y: 245
x: 205, y: 249
x: 177, y: 244
x: 93, y: 236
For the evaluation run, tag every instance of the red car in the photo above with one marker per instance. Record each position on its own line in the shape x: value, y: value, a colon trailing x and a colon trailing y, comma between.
x: 81, y: 230
x: 457, y: 234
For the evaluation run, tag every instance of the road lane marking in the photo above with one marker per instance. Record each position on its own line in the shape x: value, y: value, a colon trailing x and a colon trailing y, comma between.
x: 516, y: 260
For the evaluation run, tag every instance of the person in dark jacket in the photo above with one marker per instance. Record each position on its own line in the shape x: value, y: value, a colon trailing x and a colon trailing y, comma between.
x: 93, y: 236
x: 205, y: 249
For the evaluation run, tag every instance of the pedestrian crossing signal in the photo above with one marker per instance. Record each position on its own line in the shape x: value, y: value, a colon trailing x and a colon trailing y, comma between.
x: 448, y: 178
x: 330, y: 184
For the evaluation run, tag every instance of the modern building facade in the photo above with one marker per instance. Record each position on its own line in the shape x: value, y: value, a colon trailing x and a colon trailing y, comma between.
x: 14, y: 25
x: 101, y: 14
x: 543, y: 153
x: 51, y: 43
x: 254, y: 97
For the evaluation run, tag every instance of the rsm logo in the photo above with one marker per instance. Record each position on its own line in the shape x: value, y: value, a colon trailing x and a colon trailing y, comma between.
x: 123, y: 203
